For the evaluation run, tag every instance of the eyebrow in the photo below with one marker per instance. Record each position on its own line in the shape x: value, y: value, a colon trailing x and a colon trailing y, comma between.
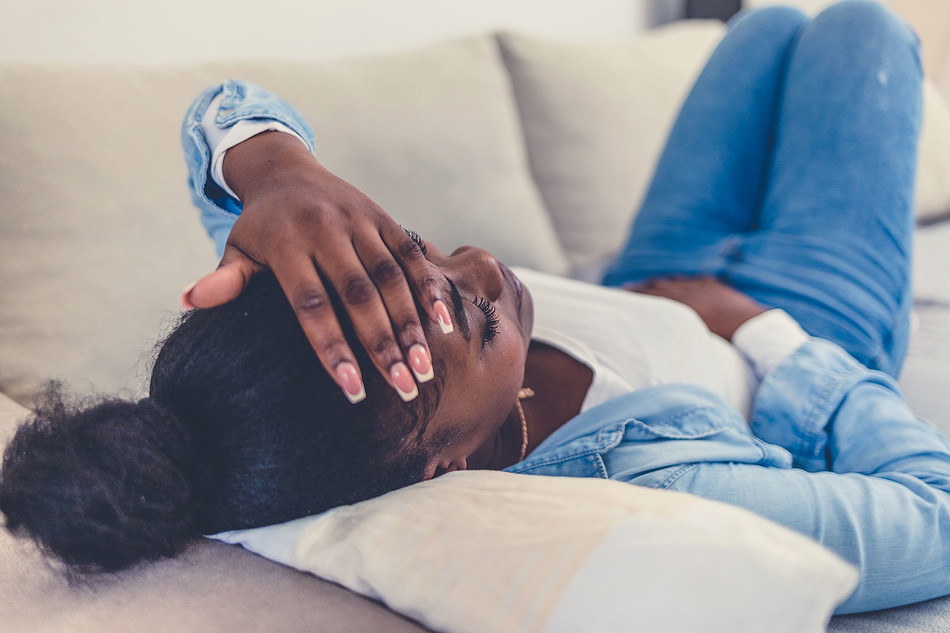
x: 458, y: 307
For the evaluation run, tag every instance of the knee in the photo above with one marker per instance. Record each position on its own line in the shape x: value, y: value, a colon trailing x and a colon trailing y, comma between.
x: 866, y: 19
x: 774, y: 19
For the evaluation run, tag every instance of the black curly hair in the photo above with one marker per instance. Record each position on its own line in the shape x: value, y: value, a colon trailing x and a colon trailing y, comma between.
x: 242, y: 427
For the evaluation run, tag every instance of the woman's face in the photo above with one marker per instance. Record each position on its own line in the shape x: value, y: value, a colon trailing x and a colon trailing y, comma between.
x: 483, y: 360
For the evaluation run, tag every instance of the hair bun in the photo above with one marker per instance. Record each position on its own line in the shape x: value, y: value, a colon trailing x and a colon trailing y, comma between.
x: 100, y: 488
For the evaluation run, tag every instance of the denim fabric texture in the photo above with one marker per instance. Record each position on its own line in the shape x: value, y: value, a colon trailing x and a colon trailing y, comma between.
x: 241, y: 101
x: 831, y: 451
x: 789, y: 173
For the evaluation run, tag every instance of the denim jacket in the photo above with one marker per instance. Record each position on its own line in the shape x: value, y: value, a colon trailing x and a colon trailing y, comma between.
x: 241, y: 101
x: 832, y: 449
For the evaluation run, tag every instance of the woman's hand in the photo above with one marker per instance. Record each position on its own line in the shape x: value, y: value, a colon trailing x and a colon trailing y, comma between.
x: 315, y: 230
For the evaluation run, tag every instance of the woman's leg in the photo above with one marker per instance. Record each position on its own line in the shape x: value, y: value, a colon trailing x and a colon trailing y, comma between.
x: 825, y: 231
x: 833, y: 244
x: 710, y: 178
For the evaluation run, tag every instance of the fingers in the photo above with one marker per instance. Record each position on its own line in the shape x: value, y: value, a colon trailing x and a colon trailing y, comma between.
x: 322, y: 238
x: 373, y: 289
x: 311, y: 303
x: 224, y: 284
x: 379, y: 280
x: 389, y: 278
x: 384, y: 329
x: 425, y: 280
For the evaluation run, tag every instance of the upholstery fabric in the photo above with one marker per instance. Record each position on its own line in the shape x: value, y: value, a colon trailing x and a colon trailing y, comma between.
x: 211, y: 588
x: 102, y: 236
x: 595, y: 117
x: 98, y: 236
x: 481, y: 561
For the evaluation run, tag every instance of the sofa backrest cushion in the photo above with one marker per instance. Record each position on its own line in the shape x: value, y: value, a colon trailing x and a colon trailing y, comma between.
x: 596, y: 116
x: 99, y: 235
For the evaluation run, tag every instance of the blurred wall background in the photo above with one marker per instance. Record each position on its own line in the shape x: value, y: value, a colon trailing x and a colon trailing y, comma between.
x: 163, y: 31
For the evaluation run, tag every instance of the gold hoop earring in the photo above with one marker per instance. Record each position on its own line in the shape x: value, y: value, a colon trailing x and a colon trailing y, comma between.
x: 523, y: 394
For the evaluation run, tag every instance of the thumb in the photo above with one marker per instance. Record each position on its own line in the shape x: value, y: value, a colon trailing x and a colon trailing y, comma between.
x: 224, y: 284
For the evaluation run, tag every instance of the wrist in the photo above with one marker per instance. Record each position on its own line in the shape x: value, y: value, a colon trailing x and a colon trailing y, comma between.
x: 263, y: 160
x: 732, y: 321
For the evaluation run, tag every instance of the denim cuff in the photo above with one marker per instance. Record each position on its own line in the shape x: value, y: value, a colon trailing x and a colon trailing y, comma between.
x: 796, y: 403
x: 240, y: 101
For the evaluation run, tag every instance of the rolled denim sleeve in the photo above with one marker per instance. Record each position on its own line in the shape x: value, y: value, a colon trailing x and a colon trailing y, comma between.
x: 241, y: 101
x: 869, y: 479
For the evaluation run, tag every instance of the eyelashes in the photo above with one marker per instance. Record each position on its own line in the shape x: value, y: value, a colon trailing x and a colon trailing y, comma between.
x: 483, y: 304
x: 491, y: 319
x: 415, y: 237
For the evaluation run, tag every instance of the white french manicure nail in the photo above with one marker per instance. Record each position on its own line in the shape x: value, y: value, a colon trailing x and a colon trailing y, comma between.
x: 421, y: 363
x: 444, y: 318
x: 353, y: 387
x: 400, y: 374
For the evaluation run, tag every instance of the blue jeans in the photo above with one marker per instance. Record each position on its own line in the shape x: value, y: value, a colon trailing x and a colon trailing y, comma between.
x: 790, y: 173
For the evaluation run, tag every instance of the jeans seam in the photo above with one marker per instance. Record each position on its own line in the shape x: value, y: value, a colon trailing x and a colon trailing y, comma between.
x: 676, y: 474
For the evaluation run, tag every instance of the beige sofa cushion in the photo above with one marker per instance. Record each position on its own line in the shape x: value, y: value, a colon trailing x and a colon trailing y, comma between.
x: 99, y: 235
x: 596, y: 117
x: 933, y: 164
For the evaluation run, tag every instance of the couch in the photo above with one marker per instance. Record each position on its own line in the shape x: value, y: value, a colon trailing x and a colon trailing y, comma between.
x: 536, y: 149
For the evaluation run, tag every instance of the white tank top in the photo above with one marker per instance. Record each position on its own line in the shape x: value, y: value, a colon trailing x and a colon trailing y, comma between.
x: 631, y: 341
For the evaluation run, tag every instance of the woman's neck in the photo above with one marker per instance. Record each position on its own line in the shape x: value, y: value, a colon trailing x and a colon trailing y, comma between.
x: 560, y: 383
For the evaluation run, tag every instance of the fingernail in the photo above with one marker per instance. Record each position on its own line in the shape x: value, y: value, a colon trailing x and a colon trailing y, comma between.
x: 349, y: 379
x: 402, y: 379
x: 186, y: 303
x: 421, y: 363
x: 445, y: 319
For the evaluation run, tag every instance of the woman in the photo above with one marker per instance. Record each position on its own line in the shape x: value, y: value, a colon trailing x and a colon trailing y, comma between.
x: 786, y: 183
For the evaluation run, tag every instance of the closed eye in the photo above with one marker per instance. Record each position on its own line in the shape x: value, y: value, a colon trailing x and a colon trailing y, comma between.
x: 458, y: 308
x: 491, y: 319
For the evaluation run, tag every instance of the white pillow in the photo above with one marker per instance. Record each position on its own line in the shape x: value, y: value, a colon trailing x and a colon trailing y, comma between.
x: 485, y: 551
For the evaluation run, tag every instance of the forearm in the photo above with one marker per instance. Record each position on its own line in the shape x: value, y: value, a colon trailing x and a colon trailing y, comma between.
x: 885, y: 504
x: 892, y: 527
x: 823, y: 406
x: 214, y: 113
x: 274, y: 206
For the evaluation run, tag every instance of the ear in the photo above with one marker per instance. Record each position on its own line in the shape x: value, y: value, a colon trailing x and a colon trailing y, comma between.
x: 445, y: 465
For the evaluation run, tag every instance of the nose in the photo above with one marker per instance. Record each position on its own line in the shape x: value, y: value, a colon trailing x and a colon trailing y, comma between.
x: 478, y: 271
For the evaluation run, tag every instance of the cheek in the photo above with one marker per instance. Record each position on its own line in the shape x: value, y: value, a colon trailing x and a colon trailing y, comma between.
x: 481, y: 390
x: 504, y: 369
x: 513, y: 352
